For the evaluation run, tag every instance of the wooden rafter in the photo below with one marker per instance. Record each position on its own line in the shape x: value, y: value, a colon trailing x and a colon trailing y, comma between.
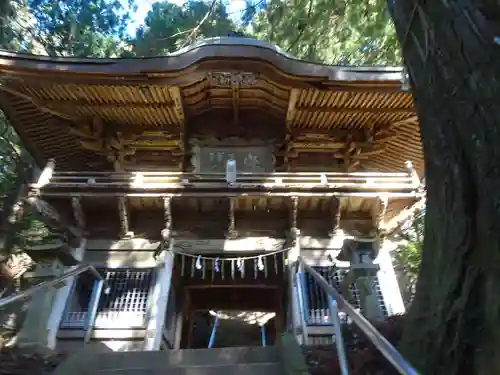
x: 315, y: 109
x: 67, y: 103
x: 291, y: 112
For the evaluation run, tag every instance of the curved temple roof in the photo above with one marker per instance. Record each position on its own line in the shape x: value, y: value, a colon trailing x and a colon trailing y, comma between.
x: 50, y: 100
x: 220, y: 48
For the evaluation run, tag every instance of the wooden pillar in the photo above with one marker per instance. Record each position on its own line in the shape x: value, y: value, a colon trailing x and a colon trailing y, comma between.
x: 159, y: 302
x: 293, y: 317
x: 190, y: 314
x: 186, y: 321
x: 412, y: 173
x: 336, y: 210
x: 124, y: 222
x: 46, y: 174
x: 231, y: 231
x: 78, y: 213
x: 279, y: 325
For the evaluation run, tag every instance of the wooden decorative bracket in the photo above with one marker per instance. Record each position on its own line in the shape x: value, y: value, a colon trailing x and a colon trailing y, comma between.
x: 350, y: 146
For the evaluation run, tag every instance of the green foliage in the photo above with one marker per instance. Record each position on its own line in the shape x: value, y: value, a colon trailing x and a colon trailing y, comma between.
x: 16, y: 165
x: 169, y: 27
x: 333, y: 32
x: 79, y: 27
x: 408, y: 253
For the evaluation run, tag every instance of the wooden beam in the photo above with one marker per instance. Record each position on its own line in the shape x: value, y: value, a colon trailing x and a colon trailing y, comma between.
x: 394, y: 191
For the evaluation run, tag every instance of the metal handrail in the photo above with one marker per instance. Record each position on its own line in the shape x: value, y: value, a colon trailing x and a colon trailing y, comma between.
x: 377, y: 339
x: 52, y: 283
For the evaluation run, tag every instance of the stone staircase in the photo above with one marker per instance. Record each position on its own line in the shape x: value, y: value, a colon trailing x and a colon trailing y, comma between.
x: 217, y: 361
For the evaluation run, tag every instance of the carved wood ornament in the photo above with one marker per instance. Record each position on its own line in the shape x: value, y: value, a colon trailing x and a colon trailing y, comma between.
x: 349, y: 146
x: 120, y: 148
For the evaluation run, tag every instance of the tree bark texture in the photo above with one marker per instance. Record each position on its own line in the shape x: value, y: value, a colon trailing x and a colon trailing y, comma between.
x: 454, y: 65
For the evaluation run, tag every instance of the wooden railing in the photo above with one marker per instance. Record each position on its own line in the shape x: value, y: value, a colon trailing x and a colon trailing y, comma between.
x: 214, y: 184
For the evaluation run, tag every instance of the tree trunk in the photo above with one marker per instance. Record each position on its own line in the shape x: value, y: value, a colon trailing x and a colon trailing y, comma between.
x: 454, y: 65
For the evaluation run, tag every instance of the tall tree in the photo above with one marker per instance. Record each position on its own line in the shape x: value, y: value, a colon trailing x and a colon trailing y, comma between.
x: 82, y: 28
x: 449, y: 47
x: 169, y: 27
x: 333, y: 32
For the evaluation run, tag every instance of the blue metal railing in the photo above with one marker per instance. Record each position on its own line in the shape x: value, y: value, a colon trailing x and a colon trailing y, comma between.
x: 56, y: 282
x: 316, y: 300
x: 339, y: 303
x: 102, y: 284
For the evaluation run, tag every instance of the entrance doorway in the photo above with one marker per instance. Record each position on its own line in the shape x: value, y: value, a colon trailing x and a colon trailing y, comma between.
x: 237, y: 317
x: 239, y: 328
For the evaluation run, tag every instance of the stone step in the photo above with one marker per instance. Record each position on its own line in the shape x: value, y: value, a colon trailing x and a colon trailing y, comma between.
x: 188, y: 357
x: 240, y: 369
